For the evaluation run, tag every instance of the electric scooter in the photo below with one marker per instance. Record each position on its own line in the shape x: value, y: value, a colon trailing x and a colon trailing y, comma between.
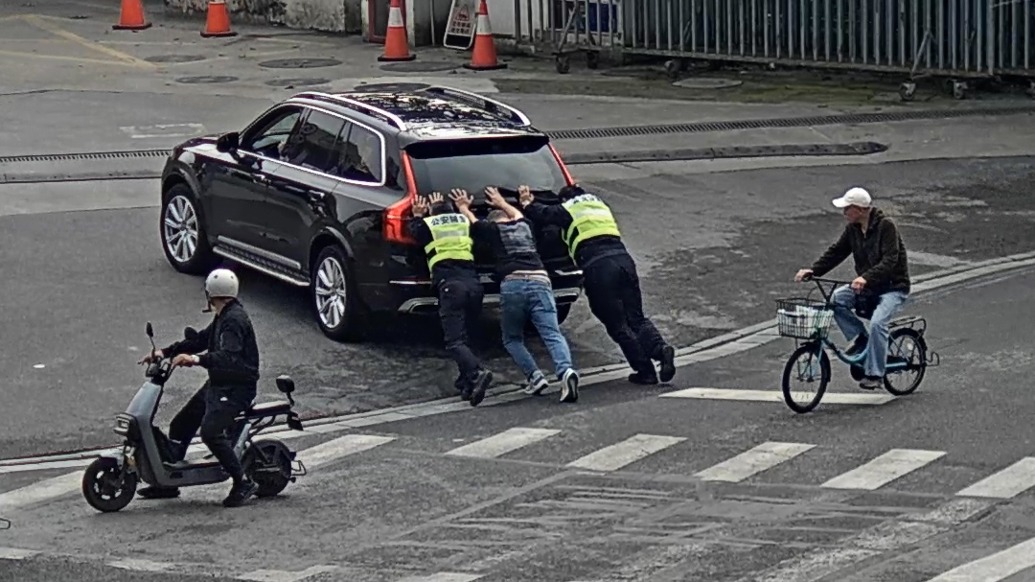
x: 110, y: 482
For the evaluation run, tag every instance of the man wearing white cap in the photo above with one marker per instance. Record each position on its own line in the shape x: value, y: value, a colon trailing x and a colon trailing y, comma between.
x: 882, y: 284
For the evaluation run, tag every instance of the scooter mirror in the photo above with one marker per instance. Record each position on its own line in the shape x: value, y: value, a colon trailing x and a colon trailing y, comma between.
x: 285, y: 384
x: 190, y: 333
x: 150, y: 330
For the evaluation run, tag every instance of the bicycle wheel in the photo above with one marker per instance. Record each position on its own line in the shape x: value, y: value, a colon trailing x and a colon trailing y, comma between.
x: 906, y: 345
x: 802, y: 366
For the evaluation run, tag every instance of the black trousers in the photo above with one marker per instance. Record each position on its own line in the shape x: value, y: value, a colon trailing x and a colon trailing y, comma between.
x: 613, y: 290
x: 212, y: 411
x: 459, y: 305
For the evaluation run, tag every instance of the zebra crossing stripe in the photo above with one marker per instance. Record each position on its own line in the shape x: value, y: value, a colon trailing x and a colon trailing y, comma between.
x: 998, y: 566
x: 630, y: 450
x: 1009, y: 482
x: 761, y: 458
x: 883, y: 469
x: 343, y: 446
x: 502, y: 443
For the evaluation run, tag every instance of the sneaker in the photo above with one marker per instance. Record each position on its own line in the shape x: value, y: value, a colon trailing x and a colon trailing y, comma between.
x: 570, y: 386
x: 644, y: 378
x: 480, y: 385
x: 536, y: 384
x: 668, y: 363
x: 871, y: 383
x: 240, y: 493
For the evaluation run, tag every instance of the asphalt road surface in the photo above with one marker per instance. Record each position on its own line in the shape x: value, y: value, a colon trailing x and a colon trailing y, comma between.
x: 615, y: 488
x: 84, y: 272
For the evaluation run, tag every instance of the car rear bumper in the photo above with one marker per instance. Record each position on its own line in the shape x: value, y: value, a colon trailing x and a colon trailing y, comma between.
x: 416, y: 296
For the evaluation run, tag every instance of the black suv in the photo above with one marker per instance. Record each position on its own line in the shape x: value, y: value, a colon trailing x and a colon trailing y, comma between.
x: 317, y: 191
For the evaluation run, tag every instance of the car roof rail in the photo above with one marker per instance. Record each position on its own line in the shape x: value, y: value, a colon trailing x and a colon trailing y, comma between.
x: 479, y: 100
x: 341, y: 99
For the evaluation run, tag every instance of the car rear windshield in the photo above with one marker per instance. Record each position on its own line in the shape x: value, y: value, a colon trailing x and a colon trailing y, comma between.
x: 474, y: 163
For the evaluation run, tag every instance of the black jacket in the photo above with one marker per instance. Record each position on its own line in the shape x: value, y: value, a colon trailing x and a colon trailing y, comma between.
x: 232, y: 354
x: 880, y: 255
x: 589, y: 250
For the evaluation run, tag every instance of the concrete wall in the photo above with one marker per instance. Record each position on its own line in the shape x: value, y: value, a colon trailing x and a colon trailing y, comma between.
x: 323, y: 15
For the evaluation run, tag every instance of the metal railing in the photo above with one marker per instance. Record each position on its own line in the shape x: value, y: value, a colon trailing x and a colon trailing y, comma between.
x: 962, y: 38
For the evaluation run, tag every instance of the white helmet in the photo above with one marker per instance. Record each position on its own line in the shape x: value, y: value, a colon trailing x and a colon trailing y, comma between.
x: 221, y: 283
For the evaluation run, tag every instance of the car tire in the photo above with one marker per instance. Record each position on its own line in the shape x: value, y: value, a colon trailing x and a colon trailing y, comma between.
x: 182, y: 226
x: 343, y: 320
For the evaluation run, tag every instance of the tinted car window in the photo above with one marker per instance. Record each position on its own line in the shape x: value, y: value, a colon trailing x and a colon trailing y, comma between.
x: 473, y: 164
x: 267, y: 136
x: 359, y: 156
x: 313, y: 145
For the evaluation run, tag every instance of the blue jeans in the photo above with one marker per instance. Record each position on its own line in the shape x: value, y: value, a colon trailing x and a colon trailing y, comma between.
x: 890, y: 304
x: 524, y: 300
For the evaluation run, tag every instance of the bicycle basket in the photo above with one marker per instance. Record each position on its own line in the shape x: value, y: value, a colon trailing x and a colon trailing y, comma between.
x: 803, y: 318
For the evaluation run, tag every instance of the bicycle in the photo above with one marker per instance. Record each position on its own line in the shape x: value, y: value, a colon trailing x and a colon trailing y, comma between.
x: 809, y: 320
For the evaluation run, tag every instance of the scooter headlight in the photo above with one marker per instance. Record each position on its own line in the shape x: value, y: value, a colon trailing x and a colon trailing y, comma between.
x: 122, y: 425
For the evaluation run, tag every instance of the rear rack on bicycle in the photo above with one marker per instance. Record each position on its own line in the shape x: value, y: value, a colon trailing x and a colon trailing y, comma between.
x: 803, y: 318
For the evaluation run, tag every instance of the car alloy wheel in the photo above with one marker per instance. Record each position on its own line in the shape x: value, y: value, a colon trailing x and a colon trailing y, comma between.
x: 331, y: 292
x: 181, y: 229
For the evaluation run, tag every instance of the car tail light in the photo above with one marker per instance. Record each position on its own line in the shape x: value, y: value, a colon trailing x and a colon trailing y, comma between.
x: 397, y: 214
x: 564, y: 168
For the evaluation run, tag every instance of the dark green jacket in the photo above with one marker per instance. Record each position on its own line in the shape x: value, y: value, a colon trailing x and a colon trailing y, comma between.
x: 880, y: 255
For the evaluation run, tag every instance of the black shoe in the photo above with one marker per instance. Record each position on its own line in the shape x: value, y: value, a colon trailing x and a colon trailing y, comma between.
x: 159, y: 492
x: 481, y: 384
x: 644, y: 379
x: 858, y: 345
x: 240, y: 493
x: 668, y: 363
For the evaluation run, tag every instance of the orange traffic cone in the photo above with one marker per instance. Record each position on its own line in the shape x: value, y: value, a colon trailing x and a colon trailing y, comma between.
x: 397, y: 47
x: 483, y: 58
x: 132, y: 16
x: 217, y: 21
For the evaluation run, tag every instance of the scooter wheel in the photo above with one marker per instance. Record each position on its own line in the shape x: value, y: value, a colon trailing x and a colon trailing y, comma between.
x: 268, y: 464
x: 105, y: 488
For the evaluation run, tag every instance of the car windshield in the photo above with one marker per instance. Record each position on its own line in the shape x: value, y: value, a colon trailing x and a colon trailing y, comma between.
x: 473, y: 164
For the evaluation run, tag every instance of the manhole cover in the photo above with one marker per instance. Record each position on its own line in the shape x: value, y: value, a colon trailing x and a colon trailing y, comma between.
x: 299, y: 63
x: 297, y: 82
x: 206, y: 79
x: 175, y: 58
x: 707, y: 83
x: 389, y: 87
x: 418, y: 67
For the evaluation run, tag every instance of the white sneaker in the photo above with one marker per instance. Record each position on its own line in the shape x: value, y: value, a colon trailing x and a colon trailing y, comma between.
x: 536, y: 384
x: 570, y: 386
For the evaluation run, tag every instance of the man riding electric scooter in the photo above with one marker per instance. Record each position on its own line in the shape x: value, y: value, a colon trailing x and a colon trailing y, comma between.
x: 232, y: 361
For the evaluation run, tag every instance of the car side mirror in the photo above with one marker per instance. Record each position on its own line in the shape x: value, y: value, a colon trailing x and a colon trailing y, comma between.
x: 285, y: 384
x: 228, y: 142
x: 190, y: 333
x: 150, y: 330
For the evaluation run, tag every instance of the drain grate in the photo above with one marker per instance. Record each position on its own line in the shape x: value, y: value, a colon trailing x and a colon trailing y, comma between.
x: 838, y: 119
x: 85, y: 156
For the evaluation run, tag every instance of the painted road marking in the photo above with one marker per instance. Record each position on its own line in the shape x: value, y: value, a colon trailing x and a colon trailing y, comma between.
x: 343, y: 446
x: 163, y: 130
x: 761, y: 458
x: 41, y: 491
x: 1009, y: 482
x: 443, y: 577
x: 40, y: 21
x: 141, y: 565
x: 998, y: 566
x: 618, y: 455
x: 284, y: 576
x: 16, y: 554
x: 776, y: 396
x: 883, y: 469
x: 505, y: 442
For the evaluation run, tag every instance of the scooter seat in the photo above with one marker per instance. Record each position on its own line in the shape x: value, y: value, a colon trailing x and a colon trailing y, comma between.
x: 268, y: 409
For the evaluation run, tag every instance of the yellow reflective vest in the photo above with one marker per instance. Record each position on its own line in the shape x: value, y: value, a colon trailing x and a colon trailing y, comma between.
x: 450, y: 238
x: 590, y: 218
